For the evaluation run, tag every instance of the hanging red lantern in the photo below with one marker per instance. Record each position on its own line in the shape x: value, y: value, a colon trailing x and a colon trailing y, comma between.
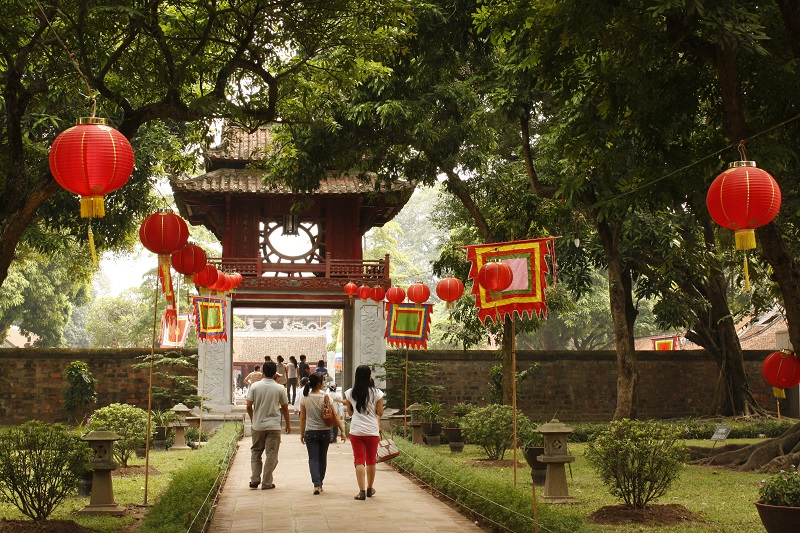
x: 163, y: 232
x: 395, y: 295
x: 782, y: 369
x: 449, y: 289
x: 743, y: 198
x: 350, y: 288
x: 238, y: 279
x: 495, y: 277
x: 418, y: 293
x: 219, y: 285
x: 364, y: 292
x: 207, y: 276
x: 377, y: 293
x: 91, y: 159
x: 189, y: 260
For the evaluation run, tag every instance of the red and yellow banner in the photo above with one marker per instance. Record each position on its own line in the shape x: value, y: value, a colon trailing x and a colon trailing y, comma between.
x: 526, y: 292
x: 210, y: 318
x: 408, y: 325
x: 174, y: 335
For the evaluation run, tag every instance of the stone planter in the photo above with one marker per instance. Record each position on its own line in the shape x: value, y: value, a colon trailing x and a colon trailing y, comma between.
x: 538, y: 468
x: 160, y: 438
x: 778, y: 518
x: 454, y: 438
x: 433, y: 432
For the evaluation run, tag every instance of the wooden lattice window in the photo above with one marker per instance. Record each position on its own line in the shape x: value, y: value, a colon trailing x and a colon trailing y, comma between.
x: 304, y: 243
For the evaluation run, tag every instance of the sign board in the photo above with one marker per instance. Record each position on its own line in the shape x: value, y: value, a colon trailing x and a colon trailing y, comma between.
x: 721, y: 433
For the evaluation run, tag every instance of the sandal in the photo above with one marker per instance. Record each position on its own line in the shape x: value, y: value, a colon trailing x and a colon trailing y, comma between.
x: 316, y: 491
x: 361, y: 495
x: 370, y: 492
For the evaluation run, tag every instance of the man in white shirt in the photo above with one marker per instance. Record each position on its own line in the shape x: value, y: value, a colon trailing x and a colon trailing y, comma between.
x: 263, y: 400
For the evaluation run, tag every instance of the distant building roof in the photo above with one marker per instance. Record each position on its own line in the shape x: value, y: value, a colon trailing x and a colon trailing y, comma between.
x: 15, y: 339
x: 253, y: 348
x: 238, y: 145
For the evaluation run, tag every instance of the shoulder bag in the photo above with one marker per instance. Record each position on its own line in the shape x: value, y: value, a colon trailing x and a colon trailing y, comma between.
x: 328, y: 414
x: 387, y: 449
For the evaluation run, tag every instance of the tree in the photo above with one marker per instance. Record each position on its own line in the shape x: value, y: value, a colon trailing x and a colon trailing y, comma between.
x: 159, y: 71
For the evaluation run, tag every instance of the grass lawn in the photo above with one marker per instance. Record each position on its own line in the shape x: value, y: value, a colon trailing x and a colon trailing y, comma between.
x: 723, y: 499
x: 128, y: 490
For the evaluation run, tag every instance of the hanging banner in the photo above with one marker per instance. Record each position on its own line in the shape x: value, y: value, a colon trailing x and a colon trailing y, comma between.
x: 171, y: 315
x: 665, y: 343
x: 210, y: 318
x: 175, y: 335
x: 526, y: 292
x: 408, y: 325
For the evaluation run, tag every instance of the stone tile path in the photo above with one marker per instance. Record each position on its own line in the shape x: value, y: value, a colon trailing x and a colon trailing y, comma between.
x: 398, y: 505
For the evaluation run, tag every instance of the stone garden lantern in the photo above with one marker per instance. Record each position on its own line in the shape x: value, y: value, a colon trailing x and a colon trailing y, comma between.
x: 416, y: 425
x: 180, y: 426
x: 555, y: 457
x: 102, y: 463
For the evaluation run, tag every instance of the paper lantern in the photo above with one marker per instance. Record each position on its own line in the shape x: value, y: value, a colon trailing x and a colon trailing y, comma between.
x: 418, y: 293
x: 189, y: 260
x: 91, y: 159
x: 743, y: 198
x: 449, y: 290
x: 364, y: 292
x: 206, y: 277
x: 495, y: 277
x: 781, y: 369
x: 350, y: 288
x: 163, y: 232
x: 377, y: 293
x: 395, y: 295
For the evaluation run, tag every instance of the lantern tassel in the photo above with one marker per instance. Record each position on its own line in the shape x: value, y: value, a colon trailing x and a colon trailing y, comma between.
x: 778, y: 392
x: 91, y: 247
x: 92, y: 207
x: 746, y: 274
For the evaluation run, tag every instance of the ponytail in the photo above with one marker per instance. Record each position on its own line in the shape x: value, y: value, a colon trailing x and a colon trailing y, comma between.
x: 313, y: 382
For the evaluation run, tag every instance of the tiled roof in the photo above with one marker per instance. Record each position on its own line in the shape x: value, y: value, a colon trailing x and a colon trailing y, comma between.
x: 233, y: 180
x: 238, y: 145
x: 252, y: 349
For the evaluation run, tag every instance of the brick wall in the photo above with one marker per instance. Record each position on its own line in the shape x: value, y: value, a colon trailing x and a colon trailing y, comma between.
x: 570, y: 385
x: 573, y: 385
x: 32, y: 380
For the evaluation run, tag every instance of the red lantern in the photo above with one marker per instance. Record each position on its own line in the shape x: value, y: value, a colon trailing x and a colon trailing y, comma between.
x: 163, y: 232
x: 189, y: 260
x: 377, y: 293
x: 495, y: 277
x: 782, y: 369
x: 206, y: 277
x: 743, y: 198
x: 237, y: 279
x: 364, y: 292
x: 395, y: 295
x: 91, y: 159
x: 418, y: 293
x: 449, y: 290
x: 350, y: 288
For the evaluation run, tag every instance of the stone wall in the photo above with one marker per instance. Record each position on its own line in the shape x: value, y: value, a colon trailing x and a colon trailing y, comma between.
x: 32, y: 380
x: 572, y: 385
x: 568, y: 385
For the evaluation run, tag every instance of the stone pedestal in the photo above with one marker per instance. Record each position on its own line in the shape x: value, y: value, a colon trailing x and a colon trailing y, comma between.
x: 555, y: 483
x: 180, y: 438
x: 102, y: 500
x: 416, y: 433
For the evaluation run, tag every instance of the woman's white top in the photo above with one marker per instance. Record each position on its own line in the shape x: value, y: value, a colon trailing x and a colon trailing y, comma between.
x: 313, y: 403
x: 365, y: 424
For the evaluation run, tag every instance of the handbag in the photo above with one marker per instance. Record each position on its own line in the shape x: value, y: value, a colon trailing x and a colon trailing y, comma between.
x: 328, y: 414
x: 387, y: 449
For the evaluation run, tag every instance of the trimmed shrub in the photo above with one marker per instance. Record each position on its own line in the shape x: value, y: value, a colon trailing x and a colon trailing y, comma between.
x: 492, y: 428
x: 125, y: 420
x: 40, y: 466
x: 80, y: 392
x: 191, y: 491
x: 637, y: 460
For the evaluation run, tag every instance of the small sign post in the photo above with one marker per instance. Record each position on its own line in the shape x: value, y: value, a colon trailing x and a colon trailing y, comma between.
x: 720, y: 434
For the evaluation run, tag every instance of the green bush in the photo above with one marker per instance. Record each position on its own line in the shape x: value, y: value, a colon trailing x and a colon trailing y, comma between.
x: 125, y: 420
x: 39, y: 466
x: 492, y: 428
x: 782, y: 488
x: 191, y: 491
x: 80, y: 392
x: 637, y: 460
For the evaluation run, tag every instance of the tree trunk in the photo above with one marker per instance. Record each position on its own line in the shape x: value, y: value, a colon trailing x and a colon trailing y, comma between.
x: 785, y: 273
x: 623, y: 316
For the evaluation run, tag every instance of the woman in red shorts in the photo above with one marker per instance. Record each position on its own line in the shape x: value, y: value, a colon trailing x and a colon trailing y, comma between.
x: 365, y: 406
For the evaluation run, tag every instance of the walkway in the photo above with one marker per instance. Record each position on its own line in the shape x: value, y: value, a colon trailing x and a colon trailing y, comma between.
x: 398, y: 506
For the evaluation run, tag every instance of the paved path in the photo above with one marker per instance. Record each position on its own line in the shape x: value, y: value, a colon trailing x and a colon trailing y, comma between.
x: 398, y: 505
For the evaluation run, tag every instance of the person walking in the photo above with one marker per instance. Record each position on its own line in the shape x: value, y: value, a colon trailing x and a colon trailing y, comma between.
x: 314, y: 433
x: 253, y: 377
x: 266, y: 400
x: 338, y: 405
x: 365, y: 407
x: 281, y: 369
x: 291, y: 378
x: 303, y: 369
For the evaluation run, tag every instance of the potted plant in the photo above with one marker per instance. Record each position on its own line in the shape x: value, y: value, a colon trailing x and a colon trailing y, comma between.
x: 162, y: 420
x: 779, y: 506
x: 532, y: 443
x: 431, y: 417
x: 452, y: 432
